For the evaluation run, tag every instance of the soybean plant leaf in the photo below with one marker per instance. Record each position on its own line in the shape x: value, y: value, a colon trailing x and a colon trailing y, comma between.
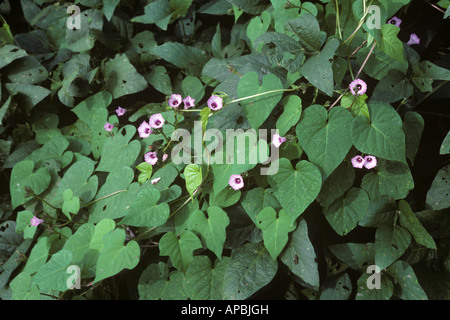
x: 300, y: 256
x: 296, y: 188
x: 275, y: 228
x: 53, y: 275
x: 258, y: 109
x: 410, y: 288
x: 324, y: 136
x: 382, y: 135
x: 155, y: 283
x: 250, y: 269
x: 145, y: 210
x: 118, y: 151
x: 391, y: 242
x: 114, y: 256
x: 179, y: 249
x: 204, y: 281
x: 438, y: 195
x: 22, y: 176
x: 291, y: 113
x: 389, y: 178
x: 318, y: 68
x: 193, y: 177
x: 211, y: 227
x: 409, y: 221
x: 344, y: 213
x: 122, y: 78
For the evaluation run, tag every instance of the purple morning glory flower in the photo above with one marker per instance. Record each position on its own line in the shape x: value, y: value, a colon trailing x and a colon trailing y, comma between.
x: 370, y: 162
x: 35, y: 221
x: 175, y: 100
x: 357, y: 162
x: 151, y: 157
x: 145, y: 130
x: 413, y: 39
x: 236, y: 181
x: 215, y: 103
x: 395, y: 21
x: 188, y: 102
x: 358, y: 87
x: 277, y: 140
x: 108, y: 126
x: 156, y: 121
x: 120, y: 111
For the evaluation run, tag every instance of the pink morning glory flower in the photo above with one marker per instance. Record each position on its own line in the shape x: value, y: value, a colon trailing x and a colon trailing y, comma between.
x: 108, y: 126
x: 236, y: 181
x: 144, y: 130
x: 188, y: 102
x: 175, y: 100
x: 151, y: 157
x: 277, y: 140
x: 358, y: 162
x: 215, y: 103
x: 155, y: 180
x: 413, y: 39
x: 165, y: 156
x: 120, y: 111
x: 35, y: 221
x: 156, y: 121
x: 395, y: 21
x: 370, y: 162
x: 358, y: 87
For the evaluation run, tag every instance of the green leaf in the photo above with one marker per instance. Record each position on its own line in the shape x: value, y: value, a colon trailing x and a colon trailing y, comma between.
x: 225, y: 198
x: 384, y: 293
x: 389, y: 178
x: 356, y: 104
x: 275, y: 228
x: 114, y: 256
x: 145, y: 210
x: 211, y: 227
x: 157, y: 12
x: 38, y: 255
x: 160, y: 80
x: 381, y: 136
x: 255, y: 200
x: 336, y: 184
x: 250, y: 269
x: 146, y: 170
x: 325, y: 137
x: 409, y: 221
x: 109, y: 7
x: 118, y: 151
x: 318, y: 68
x: 155, y: 283
x: 392, y: 88
x: 203, y: 281
x: 410, y: 288
x: 425, y: 73
x: 122, y: 78
x: 71, y: 204
x: 22, y: 175
x: 291, y: 113
x: 253, y: 7
x: 24, y: 224
x: 23, y: 289
x: 53, y: 275
x: 180, y: 249
x: 344, y: 213
x: 438, y: 195
x: 9, y: 53
x: 337, y: 287
x: 381, y: 211
x: 391, y: 243
x: 307, y: 29
x: 258, y: 109
x: 413, y: 125
x: 390, y: 43
x: 356, y: 255
x: 31, y: 95
x: 82, y: 40
x: 296, y: 188
x: 80, y: 243
x: 193, y: 176
x: 257, y: 27
x: 300, y: 256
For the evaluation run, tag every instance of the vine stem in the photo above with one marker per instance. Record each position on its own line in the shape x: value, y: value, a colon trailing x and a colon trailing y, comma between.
x: 430, y: 93
x: 104, y: 197
x: 262, y: 93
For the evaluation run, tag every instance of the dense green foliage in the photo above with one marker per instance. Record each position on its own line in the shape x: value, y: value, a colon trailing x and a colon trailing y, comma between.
x: 169, y: 230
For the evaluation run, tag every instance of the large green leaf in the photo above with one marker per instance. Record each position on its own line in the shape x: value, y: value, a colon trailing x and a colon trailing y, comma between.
x: 325, y: 137
x: 258, y: 109
x: 155, y: 283
x: 307, y: 29
x: 344, y: 213
x: 336, y: 184
x: 391, y: 242
x: 438, y: 195
x: 390, y: 43
x: 211, y: 227
x: 409, y: 286
x: 251, y: 268
x: 425, y: 73
x: 114, y: 256
x: 356, y: 255
x: 53, y: 275
x: 38, y: 255
x: 413, y: 125
x: 23, y: 288
x: 291, y: 113
x: 384, y: 293
x: 179, y: 248
x: 157, y: 12
x: 193, y: 176
x: 22, y: 176
x: 296, y: 188
x: 255, y: 200
x: 381, y: 136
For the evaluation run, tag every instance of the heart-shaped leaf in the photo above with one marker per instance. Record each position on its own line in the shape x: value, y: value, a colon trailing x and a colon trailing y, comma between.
x: 179, y: 249
x: 390, y: 243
